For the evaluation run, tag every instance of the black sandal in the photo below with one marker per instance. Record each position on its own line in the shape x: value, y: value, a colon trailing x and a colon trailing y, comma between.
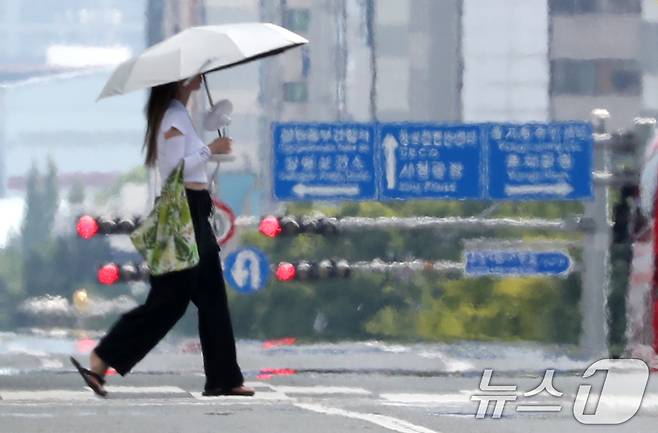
x: 85, y: 373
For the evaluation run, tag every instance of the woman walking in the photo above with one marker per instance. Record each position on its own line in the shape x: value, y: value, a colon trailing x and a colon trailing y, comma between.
x: 170, y: 137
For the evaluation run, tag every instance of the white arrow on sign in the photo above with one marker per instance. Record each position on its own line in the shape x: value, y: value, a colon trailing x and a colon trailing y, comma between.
x: 390, y: 145
x: 562, y: 189
x: 301, y: 190
x: 246, y: 265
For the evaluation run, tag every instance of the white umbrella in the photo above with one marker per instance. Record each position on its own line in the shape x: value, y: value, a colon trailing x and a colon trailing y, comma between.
x: 198, y: 50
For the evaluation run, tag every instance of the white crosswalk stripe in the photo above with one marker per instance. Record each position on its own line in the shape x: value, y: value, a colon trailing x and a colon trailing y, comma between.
x: 85, y: 394
x: 458, y: 401
x: 260, y: 396
x: 46, y: 395
x: 145, y: 389
x: 322, y: 390
x: 364, y: 405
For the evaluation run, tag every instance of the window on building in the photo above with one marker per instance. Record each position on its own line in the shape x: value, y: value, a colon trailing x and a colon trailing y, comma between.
x: 295, y: 91
x: 570, y: 7
x: 595, y: 77
x: 626, y: 82
x: 622, y: 7
x: 573, y: 77
x: 297, y: 20
x: 573, y: 7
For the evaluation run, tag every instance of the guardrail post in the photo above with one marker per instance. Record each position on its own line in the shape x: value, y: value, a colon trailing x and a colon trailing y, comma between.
x: 596, y: 257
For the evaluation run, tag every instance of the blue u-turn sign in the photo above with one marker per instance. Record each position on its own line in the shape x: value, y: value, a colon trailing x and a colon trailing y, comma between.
x: 247, y: 270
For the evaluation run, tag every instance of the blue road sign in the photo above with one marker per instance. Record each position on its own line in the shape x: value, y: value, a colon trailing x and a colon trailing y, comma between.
x: 430, y: 161
x: 373, y: 161
x: 516, y: 262
x: 247, y: 270
x: 540, y: 161
x: 324, y: 161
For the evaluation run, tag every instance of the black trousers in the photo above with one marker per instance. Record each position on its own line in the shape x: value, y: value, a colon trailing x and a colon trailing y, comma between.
x: 137, y: 331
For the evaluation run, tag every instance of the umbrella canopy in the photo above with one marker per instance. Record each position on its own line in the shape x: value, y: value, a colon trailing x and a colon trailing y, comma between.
x: 199, y: 50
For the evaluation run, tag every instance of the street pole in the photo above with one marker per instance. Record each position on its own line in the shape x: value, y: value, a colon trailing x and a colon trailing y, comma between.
x: 3, y: 141
x: 371, y: 23
x: 596, y: 276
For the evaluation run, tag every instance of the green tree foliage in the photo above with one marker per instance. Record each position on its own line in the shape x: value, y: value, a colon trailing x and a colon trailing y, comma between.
x: 41, y: 204
x: 40, y: 261
x: 411, y: 306
x: 11, y: 287
x: 76, y: 193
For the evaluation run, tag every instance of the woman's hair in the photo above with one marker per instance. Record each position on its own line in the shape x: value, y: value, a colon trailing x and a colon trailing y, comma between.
x: 157, y: 104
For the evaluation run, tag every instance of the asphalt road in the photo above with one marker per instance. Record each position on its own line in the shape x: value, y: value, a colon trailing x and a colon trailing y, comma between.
x: 320, y: 388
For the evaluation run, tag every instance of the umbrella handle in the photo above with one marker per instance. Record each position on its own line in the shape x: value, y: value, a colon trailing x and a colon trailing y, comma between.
x: 205, y: 84
x: 214, y: 176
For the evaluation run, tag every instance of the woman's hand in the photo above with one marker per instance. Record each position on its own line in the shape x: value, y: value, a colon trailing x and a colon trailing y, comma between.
x: 221, y: 145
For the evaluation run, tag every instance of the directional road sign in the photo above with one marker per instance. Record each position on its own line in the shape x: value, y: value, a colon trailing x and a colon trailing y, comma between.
x: 247, y: 270
x: 507, y: 262
x: 540, y: 161
x: 324, y: 161
x: 380, y: 161
x: 430, y: 161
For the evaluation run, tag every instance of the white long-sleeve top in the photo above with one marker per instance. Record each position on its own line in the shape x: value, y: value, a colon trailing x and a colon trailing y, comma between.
x: 188, y: 146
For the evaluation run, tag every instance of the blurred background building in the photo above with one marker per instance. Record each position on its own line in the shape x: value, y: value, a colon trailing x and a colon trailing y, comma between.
x: 54, y: 61
x: 506, y: 69
x: 595, y: 53
x: 368, y: 60
x: 386, y: 60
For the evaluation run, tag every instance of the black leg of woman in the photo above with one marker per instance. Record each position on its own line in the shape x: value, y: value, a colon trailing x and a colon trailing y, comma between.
x: 215, y: 329
x: 139, y: 330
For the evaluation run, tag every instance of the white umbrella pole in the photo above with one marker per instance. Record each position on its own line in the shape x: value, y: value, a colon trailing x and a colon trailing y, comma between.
x: 205, y: 85
x: 214, y: 188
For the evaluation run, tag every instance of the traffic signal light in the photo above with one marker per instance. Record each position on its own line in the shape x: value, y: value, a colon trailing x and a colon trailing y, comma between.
x: 80, y: 300
x: 108, y: 274
x: 270, y: 227
x: 112, y: 273
x: 273, y: 227
x: 286, y: 272
x: 88, y: 226
x: 309, y: 270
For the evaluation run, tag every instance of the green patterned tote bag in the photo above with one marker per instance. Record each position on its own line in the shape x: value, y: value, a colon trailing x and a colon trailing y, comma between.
x: 166, y: 237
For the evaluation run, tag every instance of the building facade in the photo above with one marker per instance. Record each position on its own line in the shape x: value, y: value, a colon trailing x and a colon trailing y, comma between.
x: 594, y: 53
x: 506, y: 66
x: 386, y: 60
x: 49, y: 80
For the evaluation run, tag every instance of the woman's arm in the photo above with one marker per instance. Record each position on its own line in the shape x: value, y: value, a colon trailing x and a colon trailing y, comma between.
x: 175, y: 151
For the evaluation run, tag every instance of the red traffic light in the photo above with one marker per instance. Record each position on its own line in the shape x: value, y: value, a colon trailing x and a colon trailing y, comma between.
x: 286, y: 272
x: 108, y: 274
x: 270, y: 227
x: 87, y: 227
